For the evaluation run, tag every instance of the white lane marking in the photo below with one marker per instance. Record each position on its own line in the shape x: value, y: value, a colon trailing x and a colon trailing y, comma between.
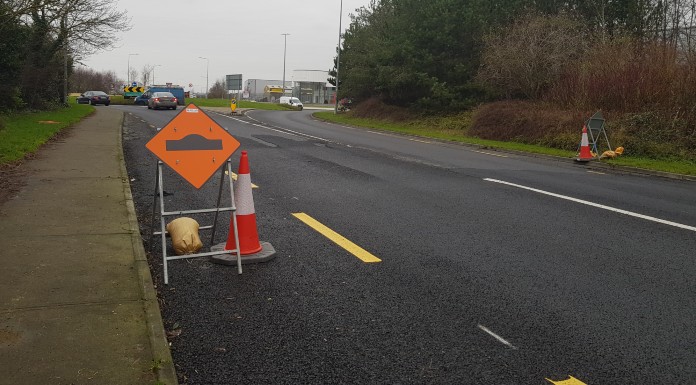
x: 488, y: 153
x: 497, y: 337
x: 596, y: 172
x: 273, y: 129
x: 620, y: 211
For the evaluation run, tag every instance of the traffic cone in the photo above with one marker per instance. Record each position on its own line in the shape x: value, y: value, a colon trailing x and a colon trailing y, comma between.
x: 246, y: 215
x: 250, y: 249
x: 585, y: 154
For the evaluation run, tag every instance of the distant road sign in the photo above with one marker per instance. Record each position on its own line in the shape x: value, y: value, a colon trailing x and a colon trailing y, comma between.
x: 234, y: 82
x: 193, y: 145
x: 133, y: 89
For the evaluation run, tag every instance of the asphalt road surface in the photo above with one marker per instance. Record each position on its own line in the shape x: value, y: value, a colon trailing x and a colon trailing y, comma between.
x: 494, y: 268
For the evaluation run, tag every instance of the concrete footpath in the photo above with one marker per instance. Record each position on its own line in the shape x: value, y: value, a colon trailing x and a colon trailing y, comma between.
x: 77, y: 303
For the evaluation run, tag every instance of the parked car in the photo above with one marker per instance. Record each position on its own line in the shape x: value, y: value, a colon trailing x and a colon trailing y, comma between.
x: 94, y: 97
x: 161, y: 100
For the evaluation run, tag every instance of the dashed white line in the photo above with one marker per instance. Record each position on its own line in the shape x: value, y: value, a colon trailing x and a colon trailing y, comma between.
x: 497, y: 337
x: 620, y: 211
x: 488, y: 153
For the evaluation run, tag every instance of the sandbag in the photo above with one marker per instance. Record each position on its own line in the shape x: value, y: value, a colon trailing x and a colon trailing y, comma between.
x: 184, y: 234
x: 612, y: 154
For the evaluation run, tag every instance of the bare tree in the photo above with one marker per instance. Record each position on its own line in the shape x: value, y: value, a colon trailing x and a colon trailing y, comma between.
x: 146, y: 74
x: 83, y: 79
x: 75, y: 28
x: 217, y: 90
x: 525, y: 58
x: 133, y: 75
x: 87, y: 25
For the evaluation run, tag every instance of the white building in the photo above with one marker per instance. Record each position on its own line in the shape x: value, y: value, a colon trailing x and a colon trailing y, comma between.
x: 310, y: 86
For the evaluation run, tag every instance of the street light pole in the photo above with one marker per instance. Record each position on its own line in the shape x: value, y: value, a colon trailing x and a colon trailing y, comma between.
x: 285, y: 49
x: 128, y: 74
x: 338, y: 58
x: 207, y: 63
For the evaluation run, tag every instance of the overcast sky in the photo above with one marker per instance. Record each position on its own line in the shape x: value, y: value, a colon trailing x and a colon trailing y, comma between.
x: 237, y: 36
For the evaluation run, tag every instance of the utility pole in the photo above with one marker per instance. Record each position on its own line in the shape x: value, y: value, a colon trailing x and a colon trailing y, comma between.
x: 207, y: 64
x: 128, y: 74
x: 338, y: 58
x: 285, y: 36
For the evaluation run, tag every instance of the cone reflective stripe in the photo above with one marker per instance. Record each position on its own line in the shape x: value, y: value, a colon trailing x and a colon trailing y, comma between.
x: 245, y: 214
x: 585, y: 154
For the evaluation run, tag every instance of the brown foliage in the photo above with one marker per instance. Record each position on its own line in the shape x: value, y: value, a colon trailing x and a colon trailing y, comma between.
x: 375, y: 108
x: 529, y: 122
x: 624, y: 76
x: 528, y: 56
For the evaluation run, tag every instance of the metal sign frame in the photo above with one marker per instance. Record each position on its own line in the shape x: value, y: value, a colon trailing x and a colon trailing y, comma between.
x: 596, y: 129
x: 163, y: 214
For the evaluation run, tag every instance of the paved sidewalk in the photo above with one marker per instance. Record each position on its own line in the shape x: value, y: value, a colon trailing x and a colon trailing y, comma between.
x: 77, y: 304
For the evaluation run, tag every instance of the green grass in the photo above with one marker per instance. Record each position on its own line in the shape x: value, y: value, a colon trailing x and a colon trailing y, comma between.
x: 22, y: 134
x: 676, y: 166
x: 202, y: 102
x: 118, y: 99
x: 442, y: 130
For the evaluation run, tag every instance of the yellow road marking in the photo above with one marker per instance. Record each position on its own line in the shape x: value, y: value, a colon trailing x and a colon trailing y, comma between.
x: 570, y: 381
x: 349, y: 246
x: 234, y: 177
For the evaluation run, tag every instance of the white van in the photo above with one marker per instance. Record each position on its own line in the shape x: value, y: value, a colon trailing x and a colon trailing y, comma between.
x: 293, y: 101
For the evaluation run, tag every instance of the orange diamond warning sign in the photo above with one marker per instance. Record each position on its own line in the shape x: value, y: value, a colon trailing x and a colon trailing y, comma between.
x: 193, y: 145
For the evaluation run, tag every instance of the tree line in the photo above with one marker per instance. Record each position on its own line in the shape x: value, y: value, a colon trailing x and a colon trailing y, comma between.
x: 43, y: 40
x: 448, y: 55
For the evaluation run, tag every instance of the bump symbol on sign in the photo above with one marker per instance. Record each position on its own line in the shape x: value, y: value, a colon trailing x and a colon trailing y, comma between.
x: 186, y: 146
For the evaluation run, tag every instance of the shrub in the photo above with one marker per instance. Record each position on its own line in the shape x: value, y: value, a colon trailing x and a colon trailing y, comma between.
x: 527, y: 122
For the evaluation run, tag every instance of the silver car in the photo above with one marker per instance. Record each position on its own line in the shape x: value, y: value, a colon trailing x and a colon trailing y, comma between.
x: 161, y: 100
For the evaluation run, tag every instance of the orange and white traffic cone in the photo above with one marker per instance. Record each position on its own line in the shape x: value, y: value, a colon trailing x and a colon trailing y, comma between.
x: 250, y: 248
x: 585, y: 154
x: 246, y: 215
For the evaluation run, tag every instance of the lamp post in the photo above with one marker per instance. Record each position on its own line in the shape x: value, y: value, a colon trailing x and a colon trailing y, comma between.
x: 207, y: 63
x: 338, y: 58
x: 285, y: 49
x: 153, y: 72
x: 128, y: 74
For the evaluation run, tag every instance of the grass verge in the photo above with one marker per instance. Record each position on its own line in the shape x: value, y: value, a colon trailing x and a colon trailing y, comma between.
x: 201, y: 102
x: 23, y: 134
x: 438, y: 129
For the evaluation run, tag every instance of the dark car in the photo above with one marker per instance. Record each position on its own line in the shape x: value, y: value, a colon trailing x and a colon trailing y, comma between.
x: 161, y: 100
x: 94, y: 97
x: 177, y: 91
